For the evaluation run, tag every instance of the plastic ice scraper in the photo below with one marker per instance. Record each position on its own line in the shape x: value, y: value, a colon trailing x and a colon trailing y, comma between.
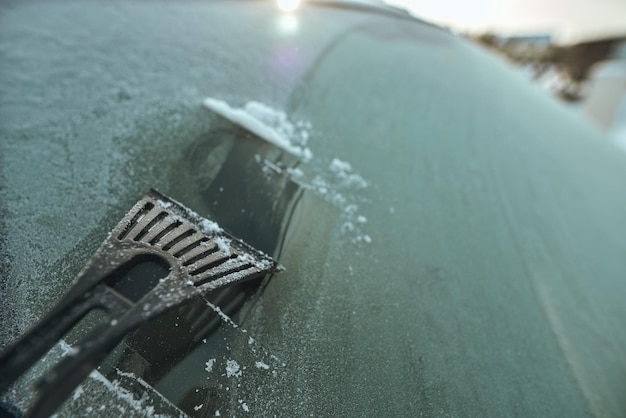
x: 160, y: 255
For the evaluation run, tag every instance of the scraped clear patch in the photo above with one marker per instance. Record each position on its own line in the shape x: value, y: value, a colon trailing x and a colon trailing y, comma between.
x: 335, y: 181
x: 269, y: 124
x: 236, y: 372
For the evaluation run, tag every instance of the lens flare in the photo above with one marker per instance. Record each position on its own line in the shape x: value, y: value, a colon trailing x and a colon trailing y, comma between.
x: 288, y: 24
x: 288, y: 5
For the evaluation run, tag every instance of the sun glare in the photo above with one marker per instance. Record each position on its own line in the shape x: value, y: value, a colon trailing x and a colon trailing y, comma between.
x: 288, y: 5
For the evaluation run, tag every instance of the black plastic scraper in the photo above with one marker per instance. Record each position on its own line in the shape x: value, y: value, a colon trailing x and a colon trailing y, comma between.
x: 158, y: 234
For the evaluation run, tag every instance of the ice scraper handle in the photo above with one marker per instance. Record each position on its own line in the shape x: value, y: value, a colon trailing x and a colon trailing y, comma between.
x: 31, y: 347
x: 56, y: 386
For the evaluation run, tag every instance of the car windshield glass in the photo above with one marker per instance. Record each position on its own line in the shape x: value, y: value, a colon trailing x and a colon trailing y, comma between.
x: 428, y: 208
x: 396, y: 308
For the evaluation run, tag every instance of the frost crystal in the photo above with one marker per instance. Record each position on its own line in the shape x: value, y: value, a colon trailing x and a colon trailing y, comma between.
x: 343, y: 171
x: 261, y: 365
x: 209, y: 227
x: 233, y: 369
x: 78, y: 392
x: 223, y: 244
x: 209, y: 365
x: 164, y: 205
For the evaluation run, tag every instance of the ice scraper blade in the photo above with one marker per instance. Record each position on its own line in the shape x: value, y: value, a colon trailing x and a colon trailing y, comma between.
x: 160, y: 255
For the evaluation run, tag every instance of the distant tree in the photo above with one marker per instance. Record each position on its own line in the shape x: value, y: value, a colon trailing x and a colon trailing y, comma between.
x: 572, y: 62
x: 488, y: 39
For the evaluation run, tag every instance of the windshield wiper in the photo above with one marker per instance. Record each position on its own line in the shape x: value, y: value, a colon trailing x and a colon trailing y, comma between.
x: 159, y: 256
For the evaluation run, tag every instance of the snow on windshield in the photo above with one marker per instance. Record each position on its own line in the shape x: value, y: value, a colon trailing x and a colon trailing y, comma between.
x: 336, y: 181
x: 269, y: 124
x: 338, y: 188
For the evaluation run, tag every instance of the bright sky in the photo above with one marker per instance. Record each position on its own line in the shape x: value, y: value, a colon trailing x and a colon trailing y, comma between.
x: 568, y: 20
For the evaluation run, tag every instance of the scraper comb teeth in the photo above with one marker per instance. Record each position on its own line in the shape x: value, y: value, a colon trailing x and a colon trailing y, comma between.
x: 198, y: 247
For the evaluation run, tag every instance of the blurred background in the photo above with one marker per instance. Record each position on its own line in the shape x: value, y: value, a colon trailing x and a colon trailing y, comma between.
x: 574, y: 49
